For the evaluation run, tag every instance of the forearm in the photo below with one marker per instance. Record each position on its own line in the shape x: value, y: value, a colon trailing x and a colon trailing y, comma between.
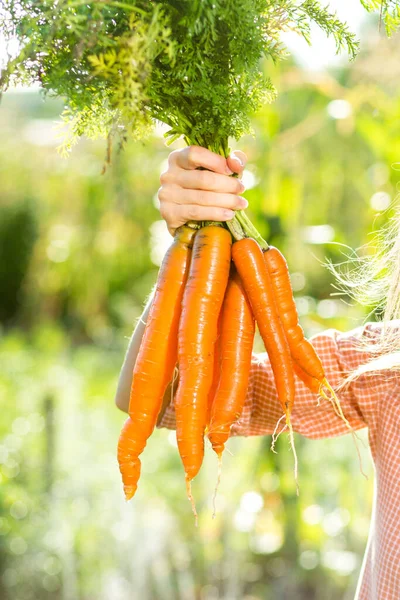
x: 125, y: 377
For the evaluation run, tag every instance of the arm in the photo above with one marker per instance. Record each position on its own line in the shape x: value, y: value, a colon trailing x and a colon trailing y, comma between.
x: 125, y: 377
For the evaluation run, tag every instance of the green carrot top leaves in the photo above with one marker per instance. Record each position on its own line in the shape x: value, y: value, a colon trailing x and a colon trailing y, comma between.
x: 192, y: 64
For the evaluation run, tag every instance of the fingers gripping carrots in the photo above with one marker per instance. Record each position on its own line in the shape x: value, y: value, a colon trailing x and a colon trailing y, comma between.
x: 156, y: 359
x: 236, y: 343
x: 201, y: 305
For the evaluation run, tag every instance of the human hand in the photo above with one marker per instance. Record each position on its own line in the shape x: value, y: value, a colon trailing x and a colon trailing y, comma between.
x: 190, y: 194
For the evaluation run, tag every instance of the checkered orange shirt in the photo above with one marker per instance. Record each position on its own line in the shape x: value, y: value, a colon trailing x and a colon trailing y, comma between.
x: 371, y: 401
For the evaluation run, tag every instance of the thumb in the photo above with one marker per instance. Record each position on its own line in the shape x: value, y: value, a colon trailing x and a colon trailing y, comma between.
x: 237, y: 161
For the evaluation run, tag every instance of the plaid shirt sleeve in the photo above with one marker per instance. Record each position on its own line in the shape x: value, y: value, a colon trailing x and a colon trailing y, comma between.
x: 340, y: 353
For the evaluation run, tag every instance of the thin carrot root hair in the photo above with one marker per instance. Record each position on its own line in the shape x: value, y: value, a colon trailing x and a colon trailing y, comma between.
x: 355, y: 439
x: 293, y: 447
x: 191, y: 500
x: 276, y: 435
x: 334, y: 400
x: 217, y: 485
x: 213, y: 429
x: 174, y: 378
x: 338, y: 409
x: 322, y: 394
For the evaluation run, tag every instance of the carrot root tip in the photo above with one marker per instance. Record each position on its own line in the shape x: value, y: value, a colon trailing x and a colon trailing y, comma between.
x: 191, y: 499
x: 129, y: 492
x: 276, y: 435
x: 292, y: 445
x: 217, y: 485
x: 218, y: 449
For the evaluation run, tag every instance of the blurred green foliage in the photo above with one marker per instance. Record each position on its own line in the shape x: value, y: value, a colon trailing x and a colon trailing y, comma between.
x: 78, y: 254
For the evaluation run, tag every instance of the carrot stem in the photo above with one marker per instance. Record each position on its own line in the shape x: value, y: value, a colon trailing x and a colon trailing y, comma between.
x: 235, y: 228
x: 250, y: 230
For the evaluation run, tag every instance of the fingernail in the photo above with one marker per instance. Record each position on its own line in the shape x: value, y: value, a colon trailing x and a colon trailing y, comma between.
x: 243, y: 203
x: 228, y: 171
x: 234, y: 157
x: 228, y: 214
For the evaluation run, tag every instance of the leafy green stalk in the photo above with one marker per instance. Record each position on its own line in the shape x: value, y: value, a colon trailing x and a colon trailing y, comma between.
x: 194, y: 65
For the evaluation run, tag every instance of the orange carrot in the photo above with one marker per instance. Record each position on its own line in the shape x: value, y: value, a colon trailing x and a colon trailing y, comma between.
x: 313, y: 384
x: 301, y: 349
x: 309, y: 366
x: 156, y: 359
x: 202, y: 301
x: 216, y: 371
x: 249, y: 261
x: 237, y: 335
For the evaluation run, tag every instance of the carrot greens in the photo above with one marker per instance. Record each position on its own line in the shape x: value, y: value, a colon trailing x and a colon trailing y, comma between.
x: 194, y: 65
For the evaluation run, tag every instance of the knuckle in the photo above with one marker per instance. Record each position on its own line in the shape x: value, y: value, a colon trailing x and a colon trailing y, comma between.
x: 172, y: 156
x: 165, y: 177
x: 192, y: 154
x: 162, y: 194
x: 166, y: 193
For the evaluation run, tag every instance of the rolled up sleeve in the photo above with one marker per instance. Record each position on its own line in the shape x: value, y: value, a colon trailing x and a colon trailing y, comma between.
x: 314, y: 417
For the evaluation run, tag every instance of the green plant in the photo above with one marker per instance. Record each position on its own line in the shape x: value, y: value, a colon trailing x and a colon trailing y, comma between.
x: 192, y: 64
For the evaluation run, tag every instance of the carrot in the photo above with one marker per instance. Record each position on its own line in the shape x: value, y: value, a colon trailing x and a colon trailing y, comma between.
x: 216, y: 371
x: 249, y: 261
x: 237, y: 335
x: 301, y: 349
x: 156, y: 359
x: 306, y: 361
x: 202, y: 301
x: 311, y: 382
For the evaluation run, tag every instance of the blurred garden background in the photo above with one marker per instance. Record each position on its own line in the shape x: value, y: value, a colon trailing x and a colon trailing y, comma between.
x: 79, y: 252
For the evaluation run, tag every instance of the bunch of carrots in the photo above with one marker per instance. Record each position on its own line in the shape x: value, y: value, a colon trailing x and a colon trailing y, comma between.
x: 214, y: 284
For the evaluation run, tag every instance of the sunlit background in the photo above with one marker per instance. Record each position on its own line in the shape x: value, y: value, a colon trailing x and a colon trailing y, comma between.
x: 79, y: 252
